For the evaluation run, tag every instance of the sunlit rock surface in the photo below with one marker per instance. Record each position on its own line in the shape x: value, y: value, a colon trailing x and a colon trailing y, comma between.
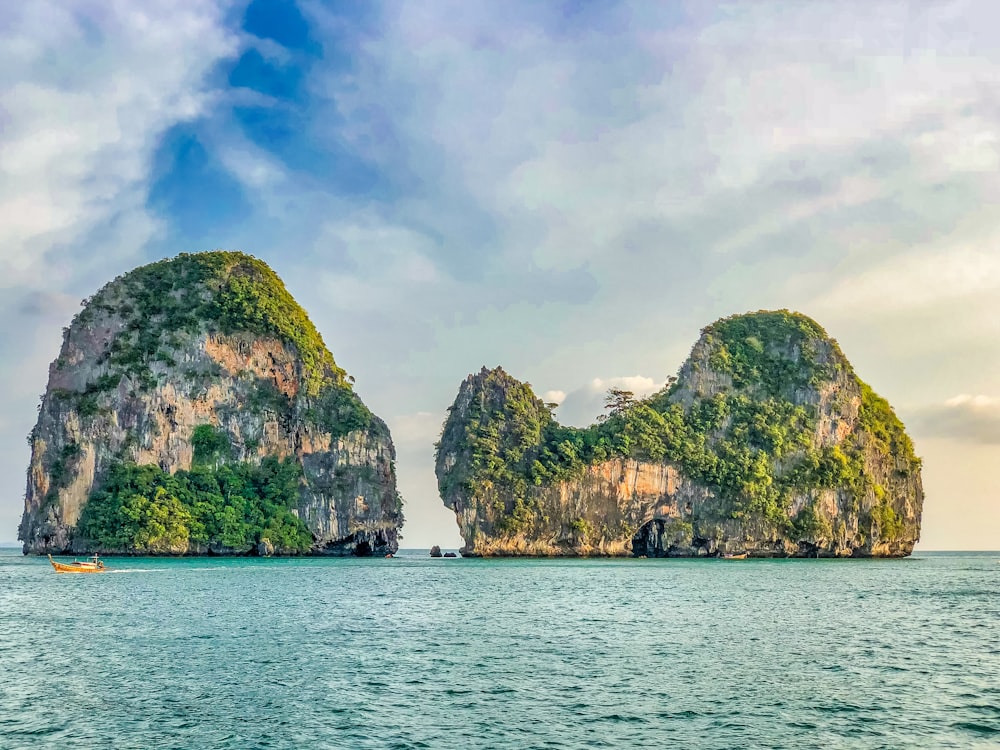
x: 766, y: 444
x: 207, y: 339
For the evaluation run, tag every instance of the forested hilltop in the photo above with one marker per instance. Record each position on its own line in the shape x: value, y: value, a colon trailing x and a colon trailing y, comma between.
x: 194, y: 408
x: 766, y: 443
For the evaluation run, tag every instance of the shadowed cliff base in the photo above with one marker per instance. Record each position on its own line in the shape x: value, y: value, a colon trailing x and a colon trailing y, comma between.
x: 766, y: 444
x: 195, y: 409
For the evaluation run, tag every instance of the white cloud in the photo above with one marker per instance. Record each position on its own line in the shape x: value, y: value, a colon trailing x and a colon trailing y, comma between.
x: 919, y: 280
x: 788, y: 141
x: 964, y: 400
x: 378, y: 263
x: 965, y: 418
x: 250, y: 164
x: 85, y: 95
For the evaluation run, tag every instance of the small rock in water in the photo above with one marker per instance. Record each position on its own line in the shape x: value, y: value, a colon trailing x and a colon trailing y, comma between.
x: 435, y: 551
x: 450, y: 554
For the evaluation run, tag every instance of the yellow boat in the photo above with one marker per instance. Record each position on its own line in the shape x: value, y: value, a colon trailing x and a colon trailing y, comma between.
x: 94, y: 565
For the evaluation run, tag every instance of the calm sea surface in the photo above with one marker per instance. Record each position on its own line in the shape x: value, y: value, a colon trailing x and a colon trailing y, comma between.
x: 460, y: 654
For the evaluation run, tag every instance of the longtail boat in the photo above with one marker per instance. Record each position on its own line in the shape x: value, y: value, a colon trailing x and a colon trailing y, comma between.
x: 93, y: 565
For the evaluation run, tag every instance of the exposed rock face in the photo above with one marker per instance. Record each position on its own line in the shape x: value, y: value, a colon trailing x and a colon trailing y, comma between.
x: 767, y: 444
x: 209, y: 339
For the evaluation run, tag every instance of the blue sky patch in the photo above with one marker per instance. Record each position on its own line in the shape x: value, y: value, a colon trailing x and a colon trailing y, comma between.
x: 192, y: 189
x: 253, y: 71
x: 280, y: 21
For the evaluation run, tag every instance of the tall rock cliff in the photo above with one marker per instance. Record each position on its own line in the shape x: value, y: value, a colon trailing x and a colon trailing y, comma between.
x: 766, y: 444
x: 194, y: 408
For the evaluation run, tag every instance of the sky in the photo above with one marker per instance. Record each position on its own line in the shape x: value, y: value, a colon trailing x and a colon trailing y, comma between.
x: 571, y: 190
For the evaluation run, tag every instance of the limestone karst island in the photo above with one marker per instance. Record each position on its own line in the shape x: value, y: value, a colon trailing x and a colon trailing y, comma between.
x: 767, y: 444
x: 194, y: 409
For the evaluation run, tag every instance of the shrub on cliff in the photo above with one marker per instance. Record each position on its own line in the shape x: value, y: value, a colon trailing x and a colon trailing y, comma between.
x: 144, y: 509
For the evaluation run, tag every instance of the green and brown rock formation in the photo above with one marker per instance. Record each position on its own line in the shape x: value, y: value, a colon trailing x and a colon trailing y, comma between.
x: 193, y: 409
x: 767, y: 443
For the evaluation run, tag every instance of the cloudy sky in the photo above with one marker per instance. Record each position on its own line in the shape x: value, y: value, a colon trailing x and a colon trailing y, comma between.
x: 569, y: 189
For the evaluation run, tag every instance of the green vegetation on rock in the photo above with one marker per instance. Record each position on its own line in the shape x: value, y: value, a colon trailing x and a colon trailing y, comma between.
x: 143, y: 509
x: 339, y: 411
x: 219, y: 292
x: 753, y: 442
x: 222, y: 292
x: 771, y: 351
x: 60, y: 470
x: 210, y: 445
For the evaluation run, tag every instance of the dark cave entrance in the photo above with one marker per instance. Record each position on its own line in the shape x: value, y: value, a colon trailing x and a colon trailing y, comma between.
x: 650, y: 541
x: 363, y: 549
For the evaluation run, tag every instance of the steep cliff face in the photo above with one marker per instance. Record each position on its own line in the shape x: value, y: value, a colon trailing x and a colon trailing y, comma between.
x: 194, y: 408
x: 766, y: 444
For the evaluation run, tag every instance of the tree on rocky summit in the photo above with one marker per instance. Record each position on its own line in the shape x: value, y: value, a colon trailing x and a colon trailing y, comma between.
x: 616, y: 401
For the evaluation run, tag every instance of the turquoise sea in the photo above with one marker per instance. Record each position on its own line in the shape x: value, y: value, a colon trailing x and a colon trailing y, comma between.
x: 415, y: 652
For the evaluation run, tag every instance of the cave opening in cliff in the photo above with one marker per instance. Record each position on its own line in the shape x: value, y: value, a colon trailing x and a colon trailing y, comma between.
x: 650, y: 540
x: 363, y: 549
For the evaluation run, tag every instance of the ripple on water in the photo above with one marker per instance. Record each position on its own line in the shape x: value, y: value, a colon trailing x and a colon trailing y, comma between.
x: 978, y: 728
x: 485, y: 654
